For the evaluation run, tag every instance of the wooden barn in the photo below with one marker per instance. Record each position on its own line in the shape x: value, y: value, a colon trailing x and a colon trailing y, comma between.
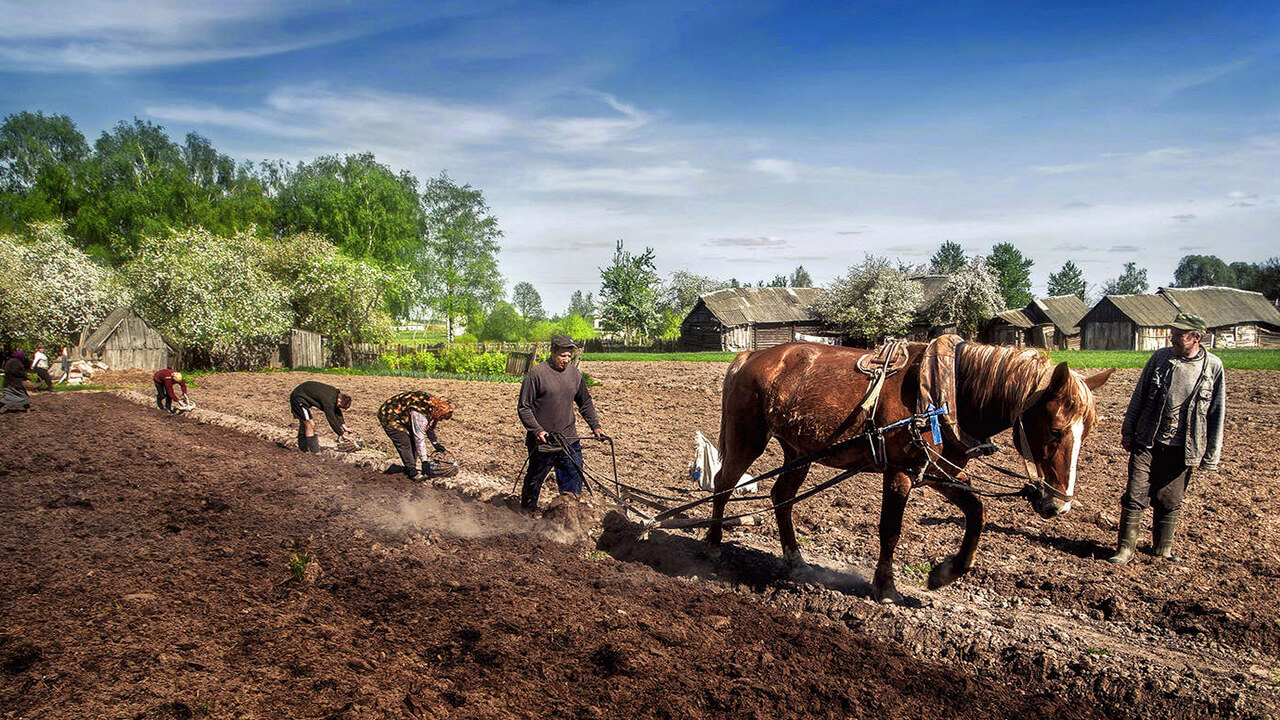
x: 736, y: 319
x: 1049, y: 323
x: 125, y: 341
x: 1236, y: 318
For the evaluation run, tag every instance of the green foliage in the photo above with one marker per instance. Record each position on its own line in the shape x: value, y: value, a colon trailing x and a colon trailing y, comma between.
x: 1068, y: 281
x: 211, y: 295
x: 527, y: 300
x: 1133, y: 281
x: 466, y: 338
x: 41, y: 159
x: 362, y: 205
x: 504, y: 324
x: 1266, y: 279
x: 949, y: 258
x: 582, y: 306
x: 139, y: 185
x: 422, y: 361
x: 458, y: 265
x: 53, y: 290
x: 332, y: 294
x: 298, y: 565
x: 457, y: 359
x: 970, y: 299
x: 871, y: 301
x: 629, y: 294
x: 800, y: 277
x: 1203, y: 270
x: 1014, y: 272
x: 659, y: 357
x: 575, y: 326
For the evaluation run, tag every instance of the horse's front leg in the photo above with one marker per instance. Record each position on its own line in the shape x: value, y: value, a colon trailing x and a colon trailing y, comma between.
x: 784, y: 491
x: 893, y: 502
x: 949, y: 570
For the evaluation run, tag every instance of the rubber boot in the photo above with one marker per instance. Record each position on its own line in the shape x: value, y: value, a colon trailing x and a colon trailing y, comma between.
x: 1129, y: 522
x: 313, y: 444
x: 1162, y: 533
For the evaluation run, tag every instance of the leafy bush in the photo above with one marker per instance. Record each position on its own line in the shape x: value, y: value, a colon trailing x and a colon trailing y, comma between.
x: 458, y: 360
x: 466, y: 338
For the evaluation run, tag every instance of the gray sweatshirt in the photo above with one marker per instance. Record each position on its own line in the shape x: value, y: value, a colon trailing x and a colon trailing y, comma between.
x: 547, y: 397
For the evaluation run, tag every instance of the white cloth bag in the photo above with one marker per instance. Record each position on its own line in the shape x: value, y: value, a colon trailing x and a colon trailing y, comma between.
x: 706, y: 463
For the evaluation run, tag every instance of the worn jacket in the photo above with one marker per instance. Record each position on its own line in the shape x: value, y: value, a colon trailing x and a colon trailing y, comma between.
x: 1204, y: 413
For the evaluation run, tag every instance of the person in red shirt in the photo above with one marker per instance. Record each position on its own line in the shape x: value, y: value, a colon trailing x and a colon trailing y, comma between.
x: 166, y: 393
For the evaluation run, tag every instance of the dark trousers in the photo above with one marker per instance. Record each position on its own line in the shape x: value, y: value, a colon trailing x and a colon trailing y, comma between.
x: 163, y: 401
x: 568, y: 476
x: 404, y: 446
x: 1157, y: 477
x: 43, y: 374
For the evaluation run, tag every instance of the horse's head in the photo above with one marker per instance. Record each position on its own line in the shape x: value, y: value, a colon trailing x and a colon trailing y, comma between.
x: 1049, y: 434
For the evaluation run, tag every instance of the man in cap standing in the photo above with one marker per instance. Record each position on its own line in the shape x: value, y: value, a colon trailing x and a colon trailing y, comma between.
x: 1173, y: 425
x: 547, y: 396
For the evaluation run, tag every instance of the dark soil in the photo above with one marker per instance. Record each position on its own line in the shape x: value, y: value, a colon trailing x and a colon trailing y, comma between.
x: 161, y: 567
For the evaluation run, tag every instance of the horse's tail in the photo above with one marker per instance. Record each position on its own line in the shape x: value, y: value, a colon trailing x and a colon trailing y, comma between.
x: 734, y: 367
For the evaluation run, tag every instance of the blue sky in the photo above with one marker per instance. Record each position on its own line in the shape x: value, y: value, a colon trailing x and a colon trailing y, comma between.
x: 737, y: 139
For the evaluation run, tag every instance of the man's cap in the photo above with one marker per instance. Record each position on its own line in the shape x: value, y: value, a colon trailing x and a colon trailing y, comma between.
x: 560, y: 340
x: 1193, y: 323
x: 177, y: 377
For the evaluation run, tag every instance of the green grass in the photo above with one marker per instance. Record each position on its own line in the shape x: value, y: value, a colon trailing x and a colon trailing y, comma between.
x: 677, y: 356
x: 1234, y: 359
x: 430, y: 336
x: 379, y: 371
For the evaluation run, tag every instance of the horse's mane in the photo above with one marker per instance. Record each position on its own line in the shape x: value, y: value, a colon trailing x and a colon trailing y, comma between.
x: 1008, y: 376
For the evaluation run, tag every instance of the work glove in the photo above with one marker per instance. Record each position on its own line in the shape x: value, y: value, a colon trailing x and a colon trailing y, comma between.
x: 438, y: 446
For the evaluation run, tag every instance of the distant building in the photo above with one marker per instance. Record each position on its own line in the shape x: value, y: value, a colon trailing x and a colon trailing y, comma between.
x: 922, y: 327
x: 124, y: 341
x: 736, y: 319
x: 1049, y: 323
x: 1236, y: 318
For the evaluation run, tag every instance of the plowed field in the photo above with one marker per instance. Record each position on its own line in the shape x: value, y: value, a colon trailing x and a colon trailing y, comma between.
x: 161, y: 567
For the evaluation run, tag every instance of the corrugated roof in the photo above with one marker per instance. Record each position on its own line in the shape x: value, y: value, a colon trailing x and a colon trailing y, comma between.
x: 1223, y: 306
x: 1016, y: 318
x: 743, y: 306
x: 1145, y: 310
x: 1064, y: 311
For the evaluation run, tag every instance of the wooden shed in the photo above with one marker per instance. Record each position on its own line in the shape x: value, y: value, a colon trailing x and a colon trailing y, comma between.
x: 125, y: 341
x: 299, y: 348
x: 1236, y: 318
x: 736, y: 319
x: 1052, y: 322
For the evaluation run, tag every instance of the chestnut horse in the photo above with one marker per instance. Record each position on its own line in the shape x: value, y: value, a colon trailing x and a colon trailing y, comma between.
x: 807, y: 396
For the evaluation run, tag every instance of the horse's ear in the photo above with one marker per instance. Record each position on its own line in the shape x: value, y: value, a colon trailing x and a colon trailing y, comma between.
x: 1096, y: 380
x: 1061, y: 376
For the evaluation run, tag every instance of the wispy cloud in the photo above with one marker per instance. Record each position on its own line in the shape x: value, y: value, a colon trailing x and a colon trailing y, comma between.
x: 747, y: 242
x: 112, y: 35
x: 1185, y: 217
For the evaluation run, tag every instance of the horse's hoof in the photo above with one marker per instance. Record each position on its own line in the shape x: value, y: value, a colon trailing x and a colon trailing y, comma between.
x: 794, y: 560
x: 889, y: 596
x: 713, y: 551
x: 943, y: 574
